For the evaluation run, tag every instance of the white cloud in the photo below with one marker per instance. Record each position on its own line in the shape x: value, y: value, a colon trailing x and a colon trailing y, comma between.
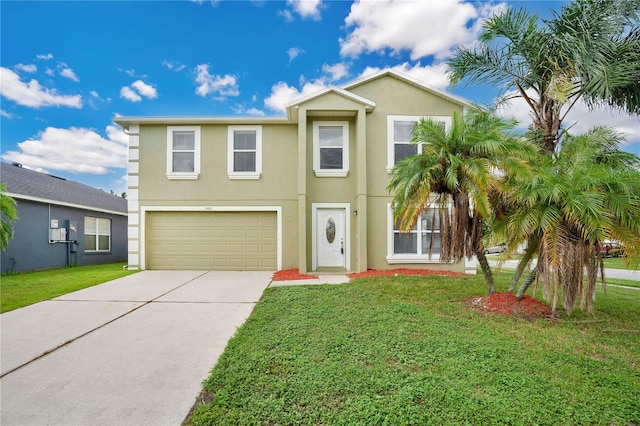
x: 424, y: 28
x: 67, y: 72
x: 31, y: 94
x: 145, y: 89
x: 307, y: 9
x: 287, y: 15
x: 255, y: 111
x: 30, y: 68
x: 50, y: 72
x: 580, y: 119
x: 78, y: 150
x: 142, y: 89
x: 7, y: 114
x: 173, y: 66
x: 217, y: 85
x: 45, y: 57
x: 282, y: 93
x: 95, y: 94
x: 336, y: 71
x: 128, y: 93
x: 294, y: 52
x: 433, y: 75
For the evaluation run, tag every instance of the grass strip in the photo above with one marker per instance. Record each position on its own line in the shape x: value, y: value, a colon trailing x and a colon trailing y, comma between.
x: 26, y: 288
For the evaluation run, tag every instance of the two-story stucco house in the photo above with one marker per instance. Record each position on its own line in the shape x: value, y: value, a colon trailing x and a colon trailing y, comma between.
x: 305, y: 191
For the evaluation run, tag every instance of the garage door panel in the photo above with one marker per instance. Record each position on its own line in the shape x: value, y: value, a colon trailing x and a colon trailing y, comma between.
x: 212, y: 240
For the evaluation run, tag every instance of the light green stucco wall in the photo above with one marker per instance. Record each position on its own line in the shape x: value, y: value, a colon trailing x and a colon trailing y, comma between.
x: 277, y: 185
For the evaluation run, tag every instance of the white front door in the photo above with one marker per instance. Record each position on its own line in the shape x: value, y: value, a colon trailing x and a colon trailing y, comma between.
x: 330, y: 237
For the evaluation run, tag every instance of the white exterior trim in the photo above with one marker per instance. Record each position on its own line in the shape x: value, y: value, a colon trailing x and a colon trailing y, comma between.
x: 196, y: 157
x: 347, y: 231
x: 145, y: 209
x: 403, y: 258
x: 390, y: 141
x: 344, y: 171
x: 230, y: 151
x: 62, y: 203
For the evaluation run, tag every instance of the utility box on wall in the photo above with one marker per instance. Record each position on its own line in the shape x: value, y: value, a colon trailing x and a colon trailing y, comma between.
x: 57, y: 234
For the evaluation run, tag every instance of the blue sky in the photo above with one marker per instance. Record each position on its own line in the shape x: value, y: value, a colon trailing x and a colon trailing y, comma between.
x: 69, y: 67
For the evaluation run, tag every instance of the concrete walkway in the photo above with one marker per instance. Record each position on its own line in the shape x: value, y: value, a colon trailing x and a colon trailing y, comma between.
x: 130, y: 351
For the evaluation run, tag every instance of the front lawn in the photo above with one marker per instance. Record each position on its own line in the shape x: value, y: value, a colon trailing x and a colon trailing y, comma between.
x: 409, y: 350
x: 26, y: 288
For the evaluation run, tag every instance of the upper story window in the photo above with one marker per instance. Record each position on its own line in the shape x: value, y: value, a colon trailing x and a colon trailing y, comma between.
x: 414, y: 246
x: 399, y: 134
x: 244, y: 152
x: 97, y: 234
x: 183, y: 152
x: 331, y: 148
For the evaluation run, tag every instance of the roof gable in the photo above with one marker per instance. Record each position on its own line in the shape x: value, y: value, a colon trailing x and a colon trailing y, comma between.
x: 388, y: 72
x: 32, y: 185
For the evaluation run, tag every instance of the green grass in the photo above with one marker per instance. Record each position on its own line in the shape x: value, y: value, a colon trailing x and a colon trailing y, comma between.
x: 26, y: 288
x: 407, y: 350
x: 620, y: 263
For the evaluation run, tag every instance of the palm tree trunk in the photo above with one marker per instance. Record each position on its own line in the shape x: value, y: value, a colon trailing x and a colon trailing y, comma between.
x: 532, y: 248
x: 526, y: 283
x: 486, y: 270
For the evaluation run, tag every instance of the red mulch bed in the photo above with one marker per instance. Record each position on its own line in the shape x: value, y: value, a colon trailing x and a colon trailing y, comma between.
x: 403, y: 271
x: 506, y: 304
x: 292, y: 274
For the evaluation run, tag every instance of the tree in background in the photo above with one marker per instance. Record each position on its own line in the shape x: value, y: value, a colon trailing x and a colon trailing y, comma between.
x: 9, y: 214
x: 455, y: 174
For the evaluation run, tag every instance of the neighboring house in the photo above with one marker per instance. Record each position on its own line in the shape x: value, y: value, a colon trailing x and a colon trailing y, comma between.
x: 61, y: 222
x: 305, y: 191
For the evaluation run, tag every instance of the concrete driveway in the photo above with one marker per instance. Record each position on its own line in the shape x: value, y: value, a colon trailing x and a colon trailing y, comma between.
x: 130, y: 351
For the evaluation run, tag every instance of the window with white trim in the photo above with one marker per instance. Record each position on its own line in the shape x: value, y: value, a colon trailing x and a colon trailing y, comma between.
x: 183, y: 152
x: 399, y: 134
x: 331, y: 148
x: 97, y: 234
x: 244, y: 152
x: 414, y: 246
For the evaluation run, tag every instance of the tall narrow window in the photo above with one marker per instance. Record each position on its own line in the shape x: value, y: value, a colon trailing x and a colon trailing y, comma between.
x: 97, y: 234
x: 331, y: 148
x: 244, y: 152
x: 183, y: 152
x: 399, y: 135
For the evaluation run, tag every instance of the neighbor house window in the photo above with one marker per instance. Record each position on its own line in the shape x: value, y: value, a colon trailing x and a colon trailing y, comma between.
x: 415, y: 245
x: 399, y: 134
x: 244, y: 152
x: 183, y: 152
x: 331, y: 148
x: 97, y: 234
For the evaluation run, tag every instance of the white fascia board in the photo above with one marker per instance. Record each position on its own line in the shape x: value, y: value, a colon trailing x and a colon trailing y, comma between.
x: 65, y: 204
x: 409, y: 79
x: 369, y: 105
x: 125, y: 122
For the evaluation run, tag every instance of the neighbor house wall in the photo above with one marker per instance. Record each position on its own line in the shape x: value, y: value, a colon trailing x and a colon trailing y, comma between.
x: 30, y: 248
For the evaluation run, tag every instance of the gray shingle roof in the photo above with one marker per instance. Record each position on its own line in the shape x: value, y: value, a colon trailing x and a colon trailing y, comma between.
x: 21, y: 181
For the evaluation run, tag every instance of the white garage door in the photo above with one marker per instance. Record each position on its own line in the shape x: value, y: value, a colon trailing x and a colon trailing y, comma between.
x: 244, y: 241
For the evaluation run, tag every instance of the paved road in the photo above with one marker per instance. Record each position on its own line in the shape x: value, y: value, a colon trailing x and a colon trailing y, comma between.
x: 608, y: 273
x: 131, y: 351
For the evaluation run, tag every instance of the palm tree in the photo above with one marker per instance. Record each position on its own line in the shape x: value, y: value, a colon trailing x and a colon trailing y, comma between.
x: 586, y: 193
x: 458, y: 168
x: 589, y: 51
x: 9, y: 214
